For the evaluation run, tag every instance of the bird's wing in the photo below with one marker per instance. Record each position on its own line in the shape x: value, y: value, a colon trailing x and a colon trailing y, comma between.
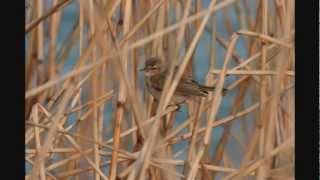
x: 189, y: 87
x: 158, y: 81
x: 186, y: 86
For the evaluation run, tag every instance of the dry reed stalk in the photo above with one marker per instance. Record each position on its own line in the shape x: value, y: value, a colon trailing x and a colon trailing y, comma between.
x: 266, y: 138
x: 265, y: 38
x: 79, y: 136
x: 102, y: 99
x: 49, y: 175
x: 192, y: 146
x: 213, y: 53
x: 141, y: 22
x: 94, y: 93
x: 77, y: 147
x: 134, y: 45
x: 81, y: 25
x: 291, y: 97
x: 207, y: 166
x: 217, y: 168
x: 168, y: 94
x: 258, y: 163
x: 67, y: 46
x: 135, y: 128
x: 35, y: 118
x: 30, y: 63
x: 198, y: 9
x: 244, y: 64
x: 40, y: 53
x: 78, y: 68
x: 181, y: 33
x: 217, y: 95
x: 214, y: 108
x: 167, y: 170
x: 158, y: 49
x: 56, y: 150
x: 30, y: 134
x: 45, y: 121
x: 227, y: 161
x: 52, y: 45
x: 157, y: 44
x: 210, y: 78
x: 73, y: 172
x: 116, y: 142
x: 67, y: 160
x: 53, y: 10
x: 40, y: 32
x: 249, y: 17
x: 227, y: 133
x: 112, y: 40
x: 101, y: 108
x: 227, y: 21
x: 241, y: 17
x: 254, y: 72
x: 51, y: 134
x: 132, y: 96
x: 214, y: 124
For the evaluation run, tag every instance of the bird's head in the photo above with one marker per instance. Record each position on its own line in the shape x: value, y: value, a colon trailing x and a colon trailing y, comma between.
x: 152, y: 66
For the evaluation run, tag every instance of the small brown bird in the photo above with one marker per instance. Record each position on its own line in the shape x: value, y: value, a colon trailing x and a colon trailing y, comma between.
x: 155, y: 75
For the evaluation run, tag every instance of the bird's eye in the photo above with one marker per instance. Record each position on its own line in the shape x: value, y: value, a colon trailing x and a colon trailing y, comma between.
x: 153, y: 67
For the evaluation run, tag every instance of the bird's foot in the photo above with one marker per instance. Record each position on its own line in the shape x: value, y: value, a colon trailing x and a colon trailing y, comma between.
x: 224, y: 91
x: 178, y: 106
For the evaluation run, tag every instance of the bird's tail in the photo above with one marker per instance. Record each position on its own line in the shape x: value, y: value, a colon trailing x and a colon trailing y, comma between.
x: 208, y: 88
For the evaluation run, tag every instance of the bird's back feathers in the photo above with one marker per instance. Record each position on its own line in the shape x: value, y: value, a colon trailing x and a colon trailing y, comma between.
x: 187, y: 86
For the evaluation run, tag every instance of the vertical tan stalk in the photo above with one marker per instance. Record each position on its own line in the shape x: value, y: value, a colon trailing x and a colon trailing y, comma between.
x: 169, y: 93
x: 81, y: 26
x: 264, y: 109
x: 214, y: 107
x: 35, y: 117
x: 94, y: 90
x: 210, y: 78
x: 40, y: 40
x: 198, y: 9
x: 122, y: 94
x: 54, y: 27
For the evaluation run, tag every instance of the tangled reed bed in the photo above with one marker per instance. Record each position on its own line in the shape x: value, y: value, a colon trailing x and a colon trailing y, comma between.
x: 88, y: 116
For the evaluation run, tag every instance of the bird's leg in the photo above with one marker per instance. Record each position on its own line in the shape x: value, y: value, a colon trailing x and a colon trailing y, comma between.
x: 224, y: 91
x: 178, y: 107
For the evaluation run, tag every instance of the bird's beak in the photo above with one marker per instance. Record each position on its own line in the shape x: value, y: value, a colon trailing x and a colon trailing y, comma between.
x: 142, y: 69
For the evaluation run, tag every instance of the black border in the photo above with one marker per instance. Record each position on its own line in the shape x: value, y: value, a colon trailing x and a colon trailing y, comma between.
x: 12, y: 89
x: 307, y: 90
